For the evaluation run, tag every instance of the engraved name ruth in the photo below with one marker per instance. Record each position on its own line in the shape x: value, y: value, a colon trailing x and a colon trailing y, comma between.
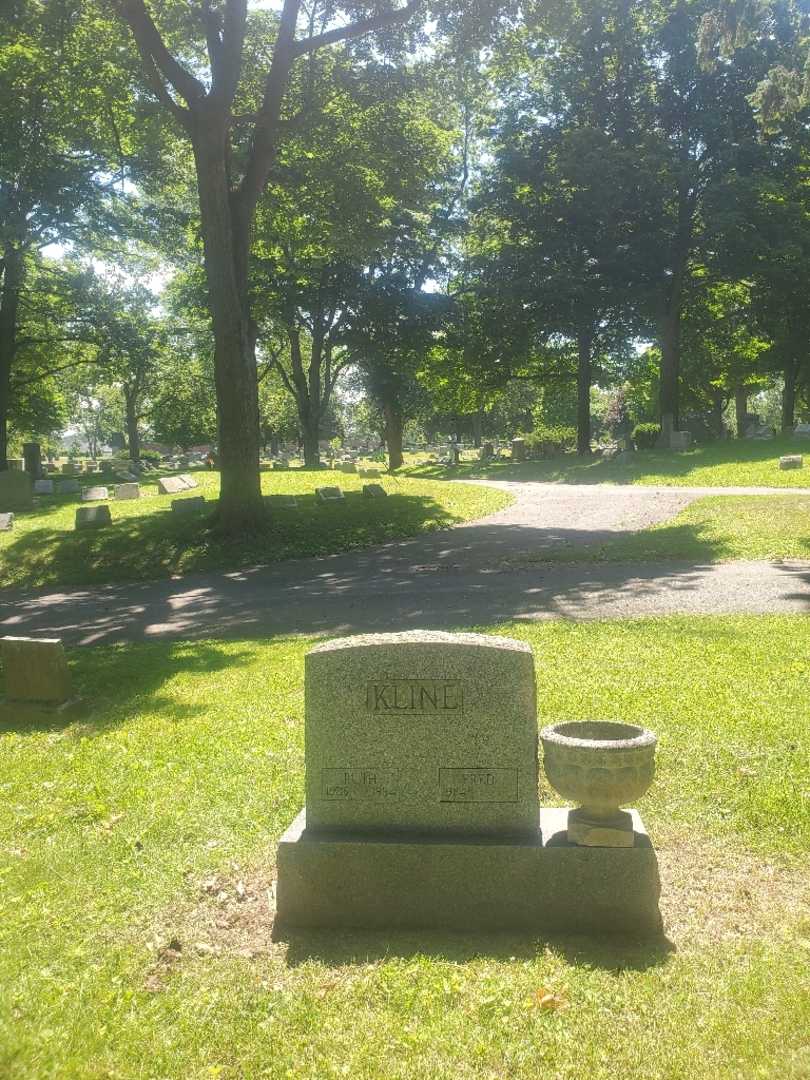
x: 415, y: 696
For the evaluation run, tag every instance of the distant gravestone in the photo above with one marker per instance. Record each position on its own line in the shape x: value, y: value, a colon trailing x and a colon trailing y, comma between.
x: 374, y: 491
x: 680, y: 440
x: 32, y: 456
x: 36, y: 670
x: 93, y: 517
x: 518, y: 450
x: 284, y: 502
x: 280, y: 466
x: 791, y: 461
x: 6, y: 522
x: 188, y: 506
x: 347, y: 467
x: 16, y: 464
x: 95, y: 494
x: 127, y: 491
x: 68, y: 487
x: 16, y: 490
x: 43, y: 487
x: 171, y: 485
x: 329, y: 494
x: 370, y: 474
x: 189, y: 481
x: 69, y: 468
x: 802, y: 431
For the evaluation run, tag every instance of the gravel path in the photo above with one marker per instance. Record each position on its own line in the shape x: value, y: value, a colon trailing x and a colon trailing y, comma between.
x: 459, y: 577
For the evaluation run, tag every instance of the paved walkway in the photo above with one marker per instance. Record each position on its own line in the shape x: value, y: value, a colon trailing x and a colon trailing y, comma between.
x: 459, y: 577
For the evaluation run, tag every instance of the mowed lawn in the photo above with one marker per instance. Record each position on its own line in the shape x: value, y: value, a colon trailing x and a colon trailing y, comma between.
x: 731, y: 463
x: 148, y: 541
x: 717, y: 528
x: 136, y: 871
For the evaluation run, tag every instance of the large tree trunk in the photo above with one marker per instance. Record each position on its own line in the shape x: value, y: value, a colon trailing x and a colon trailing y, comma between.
x: 393, y: 434
x: 789, y: 398
x: 9, y: 309
x: 133, y: 434
x: 670, y: 343
x: 741, y: 409
x: 584, y: 346
x: 226, y: 243
x: 311, y: 427
x: 718, y: 403
x: 478, y: 428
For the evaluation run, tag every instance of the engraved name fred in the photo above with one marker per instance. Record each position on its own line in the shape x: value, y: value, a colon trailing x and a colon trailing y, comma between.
x: 425, y: 696
x: 478, y: 785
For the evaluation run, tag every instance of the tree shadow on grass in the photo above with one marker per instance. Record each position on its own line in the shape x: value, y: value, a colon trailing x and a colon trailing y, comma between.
x: 160, y: 544
x: 571, y: 469
x: 113, y: 686
x: 338, y: 947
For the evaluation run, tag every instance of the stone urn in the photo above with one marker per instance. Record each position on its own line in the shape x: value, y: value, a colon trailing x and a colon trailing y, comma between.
x: 602, y: 766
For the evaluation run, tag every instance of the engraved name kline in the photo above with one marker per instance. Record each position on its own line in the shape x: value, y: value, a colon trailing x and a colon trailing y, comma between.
x: 415, y: 696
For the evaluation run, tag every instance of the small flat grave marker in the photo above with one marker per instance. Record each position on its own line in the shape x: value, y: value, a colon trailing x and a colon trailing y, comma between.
x: 127, y: 491
x: 95, y: 494
x: 329, y: 494
x: 68, y: 487
x: 171, y: 485
x: 93, y: 517
x: 6, y: 522
x: 791, y: 461
x: 188, y: 506
x: 16, y: 490
x: 43, y: 487
x: 189, y: 481
x: 374, y: 491
x: 36, y: 670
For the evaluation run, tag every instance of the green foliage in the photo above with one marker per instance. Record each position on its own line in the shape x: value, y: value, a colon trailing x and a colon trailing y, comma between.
x: 549, y: 441
x: 645, y: 436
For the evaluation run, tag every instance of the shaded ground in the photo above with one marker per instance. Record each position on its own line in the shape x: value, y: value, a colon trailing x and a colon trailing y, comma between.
x: 719, y: 464
x: 148, y: 541
x: 464, y: 576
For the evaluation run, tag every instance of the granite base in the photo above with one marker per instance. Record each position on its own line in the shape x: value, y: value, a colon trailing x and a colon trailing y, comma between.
x: 541, y: 883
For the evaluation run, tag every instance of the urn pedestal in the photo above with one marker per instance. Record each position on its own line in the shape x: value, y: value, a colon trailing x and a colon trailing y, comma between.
x: 602, y: 766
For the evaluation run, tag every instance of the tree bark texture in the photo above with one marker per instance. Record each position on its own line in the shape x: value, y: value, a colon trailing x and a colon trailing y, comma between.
x: 9, y: 312
x: 393, y: 434
x: 584, y: 346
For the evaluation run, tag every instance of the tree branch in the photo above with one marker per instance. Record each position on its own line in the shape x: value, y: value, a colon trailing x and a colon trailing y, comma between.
x: 229, y: 42
x: 151, y: 44
x: 265, y: 134
x: 353, y: 30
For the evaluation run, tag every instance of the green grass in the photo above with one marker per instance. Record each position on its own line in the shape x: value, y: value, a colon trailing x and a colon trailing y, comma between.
x: 734, y: 463
x: 148, y: 541
x: 131, y: 831
x: 717, y: 528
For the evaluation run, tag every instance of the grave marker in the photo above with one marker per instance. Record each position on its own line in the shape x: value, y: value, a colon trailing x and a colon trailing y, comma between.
x: 187, y: 506
x: 93, y: 517
x: 16, y: 490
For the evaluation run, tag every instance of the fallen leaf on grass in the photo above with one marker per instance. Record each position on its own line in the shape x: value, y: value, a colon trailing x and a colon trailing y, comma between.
x: 547, y: 1000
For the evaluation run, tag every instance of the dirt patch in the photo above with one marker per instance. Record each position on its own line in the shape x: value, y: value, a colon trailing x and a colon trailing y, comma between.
x: 712, y: 895
x: 709, y: 896
x: 232, y: 915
